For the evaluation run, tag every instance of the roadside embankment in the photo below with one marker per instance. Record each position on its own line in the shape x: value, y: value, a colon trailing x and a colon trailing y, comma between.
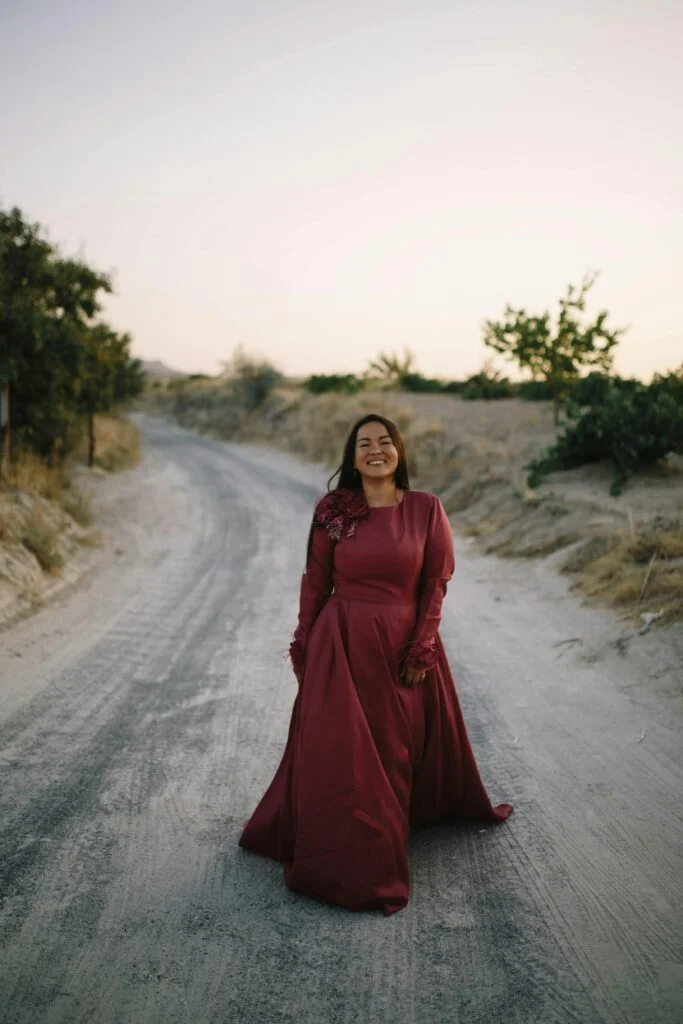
x: 48, y: 518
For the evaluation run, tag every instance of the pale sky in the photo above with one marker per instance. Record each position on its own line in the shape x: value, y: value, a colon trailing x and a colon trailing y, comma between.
x: 319, y: 181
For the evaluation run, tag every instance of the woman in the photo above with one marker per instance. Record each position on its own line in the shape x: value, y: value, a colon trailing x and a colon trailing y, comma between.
x: 377, y: 742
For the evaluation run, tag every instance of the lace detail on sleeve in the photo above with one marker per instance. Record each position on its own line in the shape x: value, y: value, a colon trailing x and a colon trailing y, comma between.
x: 420, y: 654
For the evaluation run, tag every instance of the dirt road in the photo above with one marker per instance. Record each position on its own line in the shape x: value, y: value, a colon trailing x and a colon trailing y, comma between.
x: 142, y: 716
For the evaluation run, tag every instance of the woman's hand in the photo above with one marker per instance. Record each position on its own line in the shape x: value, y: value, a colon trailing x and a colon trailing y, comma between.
x: 413, y: 676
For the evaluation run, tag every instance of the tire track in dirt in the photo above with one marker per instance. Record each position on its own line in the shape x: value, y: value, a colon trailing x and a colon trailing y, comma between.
x: 161, y: 699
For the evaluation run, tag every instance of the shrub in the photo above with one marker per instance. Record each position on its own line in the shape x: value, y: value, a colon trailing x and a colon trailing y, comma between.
x: 251, y: 379
x: 535, y: 390
x: 416, y: 383
x: 78, y: 505
x: 593, y: 389
x: 632, y: 427
x: 487, y: 385
x: 41, y: 539
x: 339, y: 383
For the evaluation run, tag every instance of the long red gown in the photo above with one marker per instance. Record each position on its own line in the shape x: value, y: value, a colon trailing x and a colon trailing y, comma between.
x: 366, y: 756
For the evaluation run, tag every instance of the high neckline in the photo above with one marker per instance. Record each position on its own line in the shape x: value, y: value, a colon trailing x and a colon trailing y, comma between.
x: 383, y: 508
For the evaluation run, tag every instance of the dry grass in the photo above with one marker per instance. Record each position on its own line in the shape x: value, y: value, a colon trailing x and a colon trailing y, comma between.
x: 117, y: 444
x: 92, y: 539
x: 78, y: 505
x: 117, y: 447
x: 42, y: 539
x: 28, y: 472
x: 7, y: 521
x: 637, y: 571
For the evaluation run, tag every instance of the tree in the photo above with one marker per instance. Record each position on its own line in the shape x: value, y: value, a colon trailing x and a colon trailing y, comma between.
x: 49, y: 332
x: 556, y: 350
x: 106, y: 376
x: 392, y: 369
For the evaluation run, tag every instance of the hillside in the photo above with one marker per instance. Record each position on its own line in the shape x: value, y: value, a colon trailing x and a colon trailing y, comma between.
x: 157, y: 370
x: 626, y: 551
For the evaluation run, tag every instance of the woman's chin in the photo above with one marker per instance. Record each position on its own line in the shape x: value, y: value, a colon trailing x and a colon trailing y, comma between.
x: 379, y: 475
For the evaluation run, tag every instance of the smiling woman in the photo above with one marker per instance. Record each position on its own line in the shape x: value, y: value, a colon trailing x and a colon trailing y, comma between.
x: 377, y: 741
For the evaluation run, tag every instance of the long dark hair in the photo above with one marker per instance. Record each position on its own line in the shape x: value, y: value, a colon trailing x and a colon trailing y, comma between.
x: 349, y: 477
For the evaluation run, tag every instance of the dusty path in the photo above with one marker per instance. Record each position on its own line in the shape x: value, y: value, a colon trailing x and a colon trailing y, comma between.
x: 142, y: 716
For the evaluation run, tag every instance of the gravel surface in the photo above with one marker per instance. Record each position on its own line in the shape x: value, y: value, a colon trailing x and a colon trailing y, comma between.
x: 142, y: 716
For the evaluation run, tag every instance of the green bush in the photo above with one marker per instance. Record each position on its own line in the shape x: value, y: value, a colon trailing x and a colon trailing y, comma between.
x: 487, y: 385
x: 418, y: 384
x: 340, y: 383
x: 535, y: 390
x: 251, y: 379
x: 631, y: 427
x: 593, y: 389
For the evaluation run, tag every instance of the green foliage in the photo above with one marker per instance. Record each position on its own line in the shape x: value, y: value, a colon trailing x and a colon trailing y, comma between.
x: 418, y: 384
x: 534, y: 390
x: 487, y: 384
x: 251, y: 379
x: 555, y: 350
x: 631, y: 425
x: 340, y: 383
x: 593, y: 389
x: 62, y: 364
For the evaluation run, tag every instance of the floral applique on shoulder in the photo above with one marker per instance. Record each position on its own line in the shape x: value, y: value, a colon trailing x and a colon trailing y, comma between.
x: 340, y: 512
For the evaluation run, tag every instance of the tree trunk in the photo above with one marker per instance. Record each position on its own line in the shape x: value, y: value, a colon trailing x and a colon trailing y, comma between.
x: 4, y: 429
x: 91, y: 439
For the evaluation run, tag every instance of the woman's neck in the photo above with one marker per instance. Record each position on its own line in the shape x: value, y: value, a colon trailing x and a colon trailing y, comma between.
x: 380, y: 492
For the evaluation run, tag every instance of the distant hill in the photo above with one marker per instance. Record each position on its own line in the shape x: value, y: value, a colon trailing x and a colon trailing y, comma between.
x: 159, y: 370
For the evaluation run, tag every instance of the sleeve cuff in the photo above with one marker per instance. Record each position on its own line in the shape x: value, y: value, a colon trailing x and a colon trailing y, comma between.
x: 420, y: 654
x: 297, y: 655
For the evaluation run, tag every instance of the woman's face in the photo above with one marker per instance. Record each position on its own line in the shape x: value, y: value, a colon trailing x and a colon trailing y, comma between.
x: 376, y: 456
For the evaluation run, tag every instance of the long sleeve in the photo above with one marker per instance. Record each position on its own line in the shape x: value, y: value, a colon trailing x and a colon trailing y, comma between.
x: 316, y: 587
x: 437, y: 569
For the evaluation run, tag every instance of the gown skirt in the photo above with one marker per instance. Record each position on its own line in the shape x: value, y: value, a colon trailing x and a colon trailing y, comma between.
x: 367, y: 757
